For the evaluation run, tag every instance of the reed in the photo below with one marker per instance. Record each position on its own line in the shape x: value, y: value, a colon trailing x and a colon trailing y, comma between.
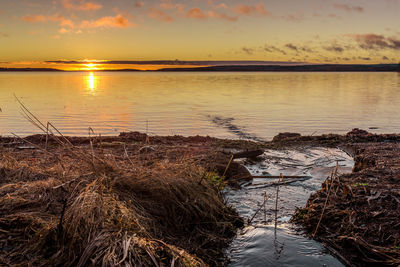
x: 86, y: 205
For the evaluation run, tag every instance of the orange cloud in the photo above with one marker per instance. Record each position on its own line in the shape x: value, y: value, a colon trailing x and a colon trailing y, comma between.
x: 159, y: 14
x: 3, y: 34
x: 46, y: 18
x: 170, y: 5
x: 196, y: 13
x: 42, y: 18
x: 219, y: 15
x: 80, y: 5
x: 67, y: 22
x: 250, y: 10
x: 107, y: 22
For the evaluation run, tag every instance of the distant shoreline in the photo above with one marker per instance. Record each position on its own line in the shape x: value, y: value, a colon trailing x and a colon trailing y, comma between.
x: 241, y: 68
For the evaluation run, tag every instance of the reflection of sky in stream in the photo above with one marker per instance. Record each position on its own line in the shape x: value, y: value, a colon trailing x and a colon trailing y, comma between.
x: 260, y: 244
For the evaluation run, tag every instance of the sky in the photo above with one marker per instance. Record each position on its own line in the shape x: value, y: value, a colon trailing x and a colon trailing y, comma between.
x: 52, y: 33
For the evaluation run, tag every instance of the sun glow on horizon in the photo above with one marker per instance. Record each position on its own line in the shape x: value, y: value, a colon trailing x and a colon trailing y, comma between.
x: 90, y: 67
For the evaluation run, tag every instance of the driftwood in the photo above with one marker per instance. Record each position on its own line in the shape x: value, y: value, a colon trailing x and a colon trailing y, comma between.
x: 279, y: 176
x: 248, y: 154
x: 269, y: 184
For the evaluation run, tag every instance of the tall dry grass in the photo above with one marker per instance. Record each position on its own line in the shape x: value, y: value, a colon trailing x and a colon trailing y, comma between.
x: 87, y: 205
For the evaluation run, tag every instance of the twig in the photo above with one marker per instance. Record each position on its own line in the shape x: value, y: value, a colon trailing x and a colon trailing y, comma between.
x: 264, y: 185
x: 333, y: 175
x: 227, y: 166
x: 60, y: 227
x: 265, y: 206
x: 91, y: 143
x: 36, y: 146
x: 276, y: 205
x: 280, y: 176
x: 47, y: 136
x: 127, y: 156
x: 257, y: 211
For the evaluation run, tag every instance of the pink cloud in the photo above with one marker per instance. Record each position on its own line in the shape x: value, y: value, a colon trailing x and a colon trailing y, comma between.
x: 373, y: 41
x: 80, y: 5
x: 107, y: 22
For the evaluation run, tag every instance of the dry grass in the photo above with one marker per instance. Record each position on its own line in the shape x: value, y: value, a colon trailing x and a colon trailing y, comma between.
x: 79, y: 205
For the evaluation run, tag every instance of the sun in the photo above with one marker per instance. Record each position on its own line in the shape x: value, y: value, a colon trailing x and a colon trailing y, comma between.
x: 91, y: 66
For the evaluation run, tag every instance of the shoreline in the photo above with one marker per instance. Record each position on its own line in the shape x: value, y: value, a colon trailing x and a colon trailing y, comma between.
x: 244, y: 68
x: 162, y: 185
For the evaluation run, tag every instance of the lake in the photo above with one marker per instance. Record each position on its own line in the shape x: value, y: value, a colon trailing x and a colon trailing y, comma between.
x: 227, y: 105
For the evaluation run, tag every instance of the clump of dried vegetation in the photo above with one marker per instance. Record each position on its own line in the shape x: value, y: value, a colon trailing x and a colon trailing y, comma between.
x: 357, y: 215
x: 107, y: 201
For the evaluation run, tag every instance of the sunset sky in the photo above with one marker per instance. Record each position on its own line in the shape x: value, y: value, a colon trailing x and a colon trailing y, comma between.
x: 313, y: 31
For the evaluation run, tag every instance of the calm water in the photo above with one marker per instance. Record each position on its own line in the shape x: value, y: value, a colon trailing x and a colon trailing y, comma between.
x: 249, y: 105
x: 262, y: 243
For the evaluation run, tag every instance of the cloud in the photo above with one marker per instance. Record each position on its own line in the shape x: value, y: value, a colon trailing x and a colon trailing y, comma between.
x: 63, y: 31
x: 348, y: 8
x: 67, y: 22
x: 298, y: 48
x: 334, y: 48
x: 167, y: 4
x: 46, y: 18
x: 118, y: 21
x: 248, y: 51
x: 81, y: 5
x: 159, y: 15
x: 272, y: 49
x: 292, y: 47
x: 220, y: 15
x: 196, y: 13
x: 139, y: 4
x: 373, y: 41
x: 250, y: 10
x: 43, y: 18
x: 294, y: 17
x: 3, y: 34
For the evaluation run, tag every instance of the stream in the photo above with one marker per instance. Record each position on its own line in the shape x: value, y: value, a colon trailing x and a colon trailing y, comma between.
x: 270, y: 239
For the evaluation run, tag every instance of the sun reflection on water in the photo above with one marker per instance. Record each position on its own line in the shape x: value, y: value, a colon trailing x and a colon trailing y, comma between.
x: 91, y: 81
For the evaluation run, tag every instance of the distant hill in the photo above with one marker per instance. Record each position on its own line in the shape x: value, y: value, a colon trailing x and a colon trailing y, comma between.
x: 29, y: 69
x: 298, y: 68
x: 256, y: 68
